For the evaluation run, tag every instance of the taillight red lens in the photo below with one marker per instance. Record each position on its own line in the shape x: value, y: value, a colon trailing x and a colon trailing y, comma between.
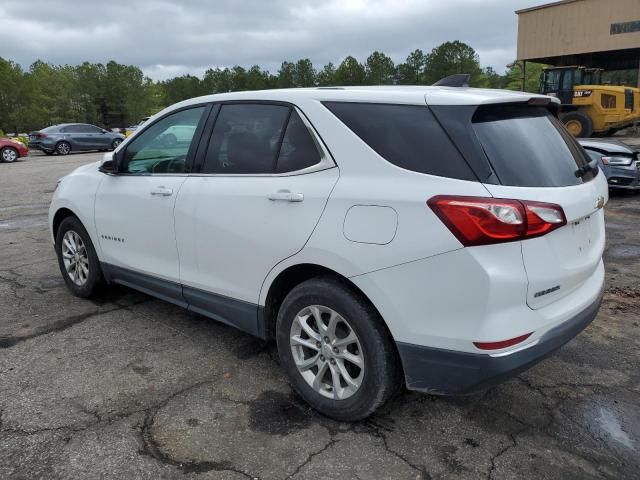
x: 484, y: 221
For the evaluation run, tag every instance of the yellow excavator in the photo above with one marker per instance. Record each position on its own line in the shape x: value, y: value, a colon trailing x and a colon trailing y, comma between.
x: 589, y: 107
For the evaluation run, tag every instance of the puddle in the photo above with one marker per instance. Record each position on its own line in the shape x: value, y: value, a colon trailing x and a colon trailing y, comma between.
x: 608, y: 422
x: 623, y: 251
x: 24, y: 221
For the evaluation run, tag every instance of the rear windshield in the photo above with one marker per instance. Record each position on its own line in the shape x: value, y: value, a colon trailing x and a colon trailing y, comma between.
x: 529, y: 147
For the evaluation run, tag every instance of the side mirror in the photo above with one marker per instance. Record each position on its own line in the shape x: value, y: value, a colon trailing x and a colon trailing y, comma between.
x: 105, y: 131
x: 109, y: 164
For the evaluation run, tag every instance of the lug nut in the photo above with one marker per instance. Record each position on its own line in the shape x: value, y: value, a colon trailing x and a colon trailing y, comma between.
x: 318, y: 344
x: 326, y: 339
x: 335, y: 350
x: 322, y: 358
x: 332, y: 361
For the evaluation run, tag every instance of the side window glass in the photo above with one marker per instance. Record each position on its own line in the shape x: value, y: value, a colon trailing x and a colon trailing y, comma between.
x: 163, y: 147
x: 91, y: 129
x: 245, y: 139
x: 299, y: 149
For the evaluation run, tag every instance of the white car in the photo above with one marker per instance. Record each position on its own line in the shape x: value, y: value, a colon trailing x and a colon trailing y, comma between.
x: 441, y: 238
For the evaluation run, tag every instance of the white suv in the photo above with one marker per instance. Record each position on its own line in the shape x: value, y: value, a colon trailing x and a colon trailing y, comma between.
x: 441, y: 238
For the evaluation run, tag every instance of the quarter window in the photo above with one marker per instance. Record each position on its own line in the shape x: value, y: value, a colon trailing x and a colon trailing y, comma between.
x: 246, y: 139
x: 163, y: 147
x: 299, y: 149
x: 407, y: 136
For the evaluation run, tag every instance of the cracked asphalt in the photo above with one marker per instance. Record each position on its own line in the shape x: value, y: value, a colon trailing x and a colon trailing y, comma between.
x: 130, y: 387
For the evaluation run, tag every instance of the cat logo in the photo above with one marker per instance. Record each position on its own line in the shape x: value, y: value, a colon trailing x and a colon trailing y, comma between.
x: 600, y: 202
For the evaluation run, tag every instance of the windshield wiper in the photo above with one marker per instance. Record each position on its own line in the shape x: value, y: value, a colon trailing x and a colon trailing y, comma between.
x: 592, y: 165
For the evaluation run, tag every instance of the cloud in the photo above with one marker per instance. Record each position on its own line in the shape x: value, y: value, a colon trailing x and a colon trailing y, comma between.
x: 167, y: 38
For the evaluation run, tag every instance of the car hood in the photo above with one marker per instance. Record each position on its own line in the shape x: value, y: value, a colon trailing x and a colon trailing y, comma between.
x: 610, y: 146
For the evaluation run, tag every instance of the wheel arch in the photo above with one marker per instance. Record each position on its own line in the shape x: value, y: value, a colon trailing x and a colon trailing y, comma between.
x: 292, y: 276
x: 59, y: 216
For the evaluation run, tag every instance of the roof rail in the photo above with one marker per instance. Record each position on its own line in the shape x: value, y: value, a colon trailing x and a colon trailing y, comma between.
x: 457, y: 80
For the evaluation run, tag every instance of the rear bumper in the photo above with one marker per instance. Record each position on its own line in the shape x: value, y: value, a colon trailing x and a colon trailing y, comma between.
x: 448, y: 372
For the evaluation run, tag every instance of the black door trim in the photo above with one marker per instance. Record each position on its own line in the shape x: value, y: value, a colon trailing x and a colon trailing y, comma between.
x: 242, y: 315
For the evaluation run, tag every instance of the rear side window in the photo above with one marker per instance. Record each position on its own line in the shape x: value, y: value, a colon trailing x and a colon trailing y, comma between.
x: 408, y: 136
x: 246, y: 139
x: 529, y: 147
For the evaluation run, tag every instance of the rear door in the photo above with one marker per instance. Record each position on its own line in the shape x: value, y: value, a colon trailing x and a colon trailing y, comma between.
x: 535, y: 158
x: 263, y: 184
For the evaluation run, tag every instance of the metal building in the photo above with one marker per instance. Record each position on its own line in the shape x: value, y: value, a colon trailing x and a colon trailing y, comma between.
x: 594, y: 33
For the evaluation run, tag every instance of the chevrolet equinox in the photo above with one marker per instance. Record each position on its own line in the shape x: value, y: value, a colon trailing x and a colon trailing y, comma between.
x: 439, y: 238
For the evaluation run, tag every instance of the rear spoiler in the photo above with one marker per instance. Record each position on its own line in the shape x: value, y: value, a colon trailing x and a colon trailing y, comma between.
x: 456, y: 80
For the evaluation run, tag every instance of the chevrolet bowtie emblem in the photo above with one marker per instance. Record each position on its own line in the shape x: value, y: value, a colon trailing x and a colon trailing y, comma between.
x: 600, y: 202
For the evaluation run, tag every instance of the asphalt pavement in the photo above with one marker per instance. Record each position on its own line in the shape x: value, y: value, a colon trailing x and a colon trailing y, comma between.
x: 128, y: 387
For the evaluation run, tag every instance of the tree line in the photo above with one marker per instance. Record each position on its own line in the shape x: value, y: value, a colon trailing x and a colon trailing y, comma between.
x: 116, y: 95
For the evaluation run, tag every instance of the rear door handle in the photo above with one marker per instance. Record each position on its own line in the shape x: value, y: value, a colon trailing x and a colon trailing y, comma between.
x: 286, y: 196
x: 161, y: 191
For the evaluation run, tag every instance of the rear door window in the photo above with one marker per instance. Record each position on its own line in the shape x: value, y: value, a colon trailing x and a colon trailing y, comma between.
x: 407, y: 136
x: 529, y: 147
x: 246, y: 139
x: 299, y: 149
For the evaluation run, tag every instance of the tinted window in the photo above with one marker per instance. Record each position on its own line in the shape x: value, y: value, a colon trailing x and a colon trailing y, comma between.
x: 528, y: 147
x: 90, y: 129
x: 163, y: 147
x: 71, y: 129
x: 406, y: 135
x: 299, y: 149
x: 246, y: 139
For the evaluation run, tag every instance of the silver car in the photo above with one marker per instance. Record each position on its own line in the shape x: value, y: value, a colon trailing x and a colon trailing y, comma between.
x: 67, y: 137
x: 619, y: 162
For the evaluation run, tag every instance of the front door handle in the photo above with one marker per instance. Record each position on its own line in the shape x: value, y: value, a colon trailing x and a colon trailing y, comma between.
x: 162, y: 191
x: 286, y: 196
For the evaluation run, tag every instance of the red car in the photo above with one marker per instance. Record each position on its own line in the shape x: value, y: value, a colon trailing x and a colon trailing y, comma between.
x: 12, y: 150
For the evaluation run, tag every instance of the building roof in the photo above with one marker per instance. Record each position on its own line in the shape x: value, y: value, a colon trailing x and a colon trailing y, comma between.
x: 546, y: 5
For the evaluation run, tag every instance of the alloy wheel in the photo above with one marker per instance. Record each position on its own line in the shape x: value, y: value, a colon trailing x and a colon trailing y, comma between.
x: 75, y: 258
x: 63, y: 148
x: 9, y: 155
x: 327, y: 352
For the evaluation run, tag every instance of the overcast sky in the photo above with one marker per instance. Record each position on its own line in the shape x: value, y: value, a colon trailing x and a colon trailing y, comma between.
x: 168, y: 38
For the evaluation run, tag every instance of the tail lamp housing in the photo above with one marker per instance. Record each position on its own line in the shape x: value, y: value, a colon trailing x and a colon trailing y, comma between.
x: 485, y: 220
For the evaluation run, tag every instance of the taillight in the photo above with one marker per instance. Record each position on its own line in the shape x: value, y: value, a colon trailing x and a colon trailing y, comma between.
x: 484, y: 221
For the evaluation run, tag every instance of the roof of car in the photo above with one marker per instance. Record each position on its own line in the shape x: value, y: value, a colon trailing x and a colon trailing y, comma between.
x: 380, y: 94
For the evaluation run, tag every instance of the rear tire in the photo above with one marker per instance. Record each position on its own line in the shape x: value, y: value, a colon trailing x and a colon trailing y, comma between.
x: 578, y: 124
x: 63, y: 148
x: 115, y: 143
x: 344, y: 391
x: 9, y: 154
x: 74, y: 247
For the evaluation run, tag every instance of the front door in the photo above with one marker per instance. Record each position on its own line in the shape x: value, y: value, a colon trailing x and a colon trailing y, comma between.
x: 134, y: 209
x: 261, y: 191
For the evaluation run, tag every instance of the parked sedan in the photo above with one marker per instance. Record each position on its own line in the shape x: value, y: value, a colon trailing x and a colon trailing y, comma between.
x: 68, y: 137
x: 619, y: 162
x: 11, y: 150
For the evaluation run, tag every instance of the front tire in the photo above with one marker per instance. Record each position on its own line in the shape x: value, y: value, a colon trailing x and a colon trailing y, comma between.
x: 63, y: 148
x: 578, y: 124
x: 77, y: 258
x: 9, y: 154
x: 336, y: 350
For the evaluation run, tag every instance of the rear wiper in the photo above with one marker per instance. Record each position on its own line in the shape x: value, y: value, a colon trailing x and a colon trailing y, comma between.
x: 592, y: 165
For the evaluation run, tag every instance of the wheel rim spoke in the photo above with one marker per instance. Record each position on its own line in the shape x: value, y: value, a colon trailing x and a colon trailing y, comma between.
x: 327, y: 352
x: 75, y: 257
